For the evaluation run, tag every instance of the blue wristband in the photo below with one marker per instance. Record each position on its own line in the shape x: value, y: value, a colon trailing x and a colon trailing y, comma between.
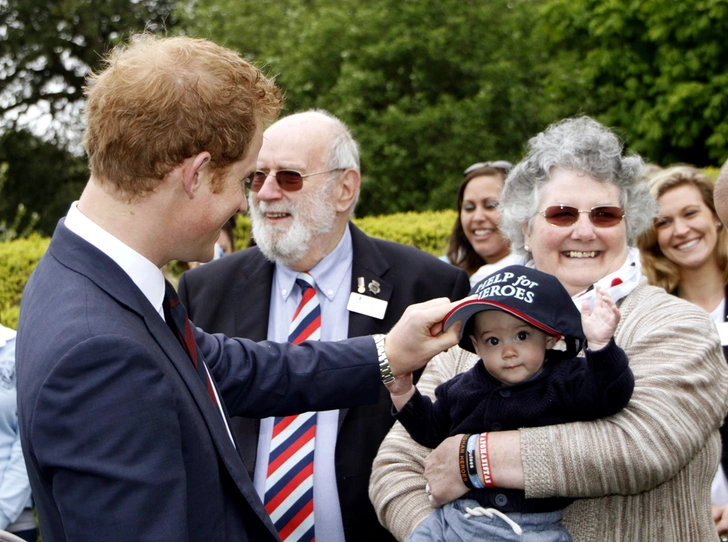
x: 472, y: 462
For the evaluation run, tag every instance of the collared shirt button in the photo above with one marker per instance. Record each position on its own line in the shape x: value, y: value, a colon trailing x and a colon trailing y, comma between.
x: 495, y: 426
x: 505, y: 393
x: 501, y: 500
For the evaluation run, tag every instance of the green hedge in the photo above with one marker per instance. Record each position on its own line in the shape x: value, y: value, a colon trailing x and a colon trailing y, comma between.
x: 18, y: 258
x: 428, y: 231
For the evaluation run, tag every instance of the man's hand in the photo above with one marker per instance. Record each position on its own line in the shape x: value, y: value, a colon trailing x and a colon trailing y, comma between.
x: 442, y: 472
x: 418, y: 336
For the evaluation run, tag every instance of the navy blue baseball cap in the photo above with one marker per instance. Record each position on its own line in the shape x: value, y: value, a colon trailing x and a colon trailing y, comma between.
x: 535, y: 297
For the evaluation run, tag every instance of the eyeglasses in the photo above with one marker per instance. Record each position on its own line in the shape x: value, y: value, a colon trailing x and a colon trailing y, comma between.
x: 503, y: 165
x: 287, y: 179
x: 602, y: 216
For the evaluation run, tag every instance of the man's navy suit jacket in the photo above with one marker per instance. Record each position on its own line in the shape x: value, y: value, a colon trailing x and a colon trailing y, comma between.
x: 232, y: 296
x: 121, y: 440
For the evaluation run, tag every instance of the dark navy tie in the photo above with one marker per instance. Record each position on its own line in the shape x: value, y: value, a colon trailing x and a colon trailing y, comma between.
x: 176, y: 316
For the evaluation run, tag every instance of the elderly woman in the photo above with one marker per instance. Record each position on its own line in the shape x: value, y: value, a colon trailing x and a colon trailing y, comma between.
x: 574, y: 206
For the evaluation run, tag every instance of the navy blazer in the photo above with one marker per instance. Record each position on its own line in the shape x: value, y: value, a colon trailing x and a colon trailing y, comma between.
x: 213, y: 293
x: 119, y: 435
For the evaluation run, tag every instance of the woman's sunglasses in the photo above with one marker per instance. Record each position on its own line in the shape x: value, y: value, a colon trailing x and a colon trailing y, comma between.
x: 287, y: 179
x: 602, y: 216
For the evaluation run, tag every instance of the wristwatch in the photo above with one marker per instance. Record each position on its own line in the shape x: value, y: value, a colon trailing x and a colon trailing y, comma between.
x: 385, y: 371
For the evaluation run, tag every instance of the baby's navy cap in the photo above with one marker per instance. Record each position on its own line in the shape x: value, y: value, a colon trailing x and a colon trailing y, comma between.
x: 535, y: 297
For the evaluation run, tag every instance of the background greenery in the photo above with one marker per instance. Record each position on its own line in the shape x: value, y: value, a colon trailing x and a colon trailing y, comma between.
x: 428, y: 231
x: 427, y: 86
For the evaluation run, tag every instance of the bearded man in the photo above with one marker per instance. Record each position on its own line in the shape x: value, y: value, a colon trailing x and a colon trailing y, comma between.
x: 302, y: 197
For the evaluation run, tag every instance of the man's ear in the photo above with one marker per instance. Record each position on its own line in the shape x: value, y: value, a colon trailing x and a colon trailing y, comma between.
x: 347, y: 190
x: 191, y: 178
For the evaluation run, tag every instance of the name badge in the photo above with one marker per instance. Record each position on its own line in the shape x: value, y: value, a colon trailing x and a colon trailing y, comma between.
x: 723, y: 332
x: 366, y: 305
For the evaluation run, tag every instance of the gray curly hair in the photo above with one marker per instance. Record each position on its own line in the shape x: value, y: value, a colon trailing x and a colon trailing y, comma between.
x: 583, y: 145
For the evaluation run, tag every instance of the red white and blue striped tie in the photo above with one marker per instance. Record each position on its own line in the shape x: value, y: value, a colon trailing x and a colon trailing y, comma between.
x: 289, y: 481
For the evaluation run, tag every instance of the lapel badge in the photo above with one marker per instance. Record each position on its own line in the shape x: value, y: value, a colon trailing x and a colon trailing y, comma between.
x: 374, y: 287
x: 360, y: 285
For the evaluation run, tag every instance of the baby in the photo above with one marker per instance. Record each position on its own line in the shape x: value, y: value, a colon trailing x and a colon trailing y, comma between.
x: 527, y: 332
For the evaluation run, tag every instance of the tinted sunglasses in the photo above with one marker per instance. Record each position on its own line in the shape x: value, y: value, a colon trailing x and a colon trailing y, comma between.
x: 287, y: 179
x: 503, y: 165
x: 602, y: 216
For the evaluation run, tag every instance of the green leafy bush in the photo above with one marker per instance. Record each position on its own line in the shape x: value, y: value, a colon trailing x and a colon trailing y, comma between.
x: 18, y: 258
x: 428, y: 231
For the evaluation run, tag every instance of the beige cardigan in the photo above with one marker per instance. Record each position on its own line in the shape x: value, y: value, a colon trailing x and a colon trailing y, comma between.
x: 655, y: 460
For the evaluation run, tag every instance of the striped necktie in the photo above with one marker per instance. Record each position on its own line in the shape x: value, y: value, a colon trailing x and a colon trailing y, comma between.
x: 289, y: 481
x: 176, y: 316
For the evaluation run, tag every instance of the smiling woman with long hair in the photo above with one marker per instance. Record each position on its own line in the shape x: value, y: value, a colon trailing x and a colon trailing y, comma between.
x: 686, y: 253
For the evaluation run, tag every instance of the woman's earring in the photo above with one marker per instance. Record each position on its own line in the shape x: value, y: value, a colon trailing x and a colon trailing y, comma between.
x: 526, y: 248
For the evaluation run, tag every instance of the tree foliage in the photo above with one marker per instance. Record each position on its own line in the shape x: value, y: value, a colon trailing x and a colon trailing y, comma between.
x: 47, y: 48
x: 427, y: 86
x: 654, y: 69
x: 41, y: 180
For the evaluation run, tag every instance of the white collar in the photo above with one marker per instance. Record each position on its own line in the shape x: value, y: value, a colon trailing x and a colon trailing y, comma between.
x: 147, y: 276
x: 328, y: 274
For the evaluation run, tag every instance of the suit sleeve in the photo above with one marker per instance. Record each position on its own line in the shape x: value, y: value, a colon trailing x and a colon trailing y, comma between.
x: 277, y: 379
x: 127, y: 483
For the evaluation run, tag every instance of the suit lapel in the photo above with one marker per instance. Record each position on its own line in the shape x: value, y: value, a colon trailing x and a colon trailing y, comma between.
x: 253, y: 311
x: 228, y: 453
x: 369, y: 264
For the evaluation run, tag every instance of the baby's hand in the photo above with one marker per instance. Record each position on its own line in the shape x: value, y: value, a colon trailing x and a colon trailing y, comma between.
x: 401, y: 390
x: 599, y: 323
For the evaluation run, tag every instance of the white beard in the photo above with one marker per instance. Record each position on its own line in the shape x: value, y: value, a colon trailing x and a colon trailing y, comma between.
x: 312, y: 216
